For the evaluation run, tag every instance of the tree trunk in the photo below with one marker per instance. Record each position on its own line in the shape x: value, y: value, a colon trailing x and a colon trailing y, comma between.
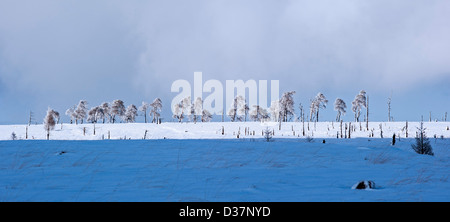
x: 367, y: 115
x: 279, y: 125
x: 349, y: 129
x: 317, y: 115
x: 406, y: 129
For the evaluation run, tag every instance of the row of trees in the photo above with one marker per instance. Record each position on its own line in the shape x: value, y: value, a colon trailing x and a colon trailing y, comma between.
x: 114, y: 111
x: 193, y: 110
x: 108, y: 112
x: 104, y: 112
x: 281, y: 110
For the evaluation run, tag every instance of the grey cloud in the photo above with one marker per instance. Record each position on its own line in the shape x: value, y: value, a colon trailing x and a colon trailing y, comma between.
x: 107, y: 49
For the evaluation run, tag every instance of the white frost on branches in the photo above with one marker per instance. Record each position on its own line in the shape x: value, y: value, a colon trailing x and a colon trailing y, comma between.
x: 319, y: 102
x: 358, y: 103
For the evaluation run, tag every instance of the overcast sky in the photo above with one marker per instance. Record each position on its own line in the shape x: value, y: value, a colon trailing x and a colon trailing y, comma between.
x: 54, y: 53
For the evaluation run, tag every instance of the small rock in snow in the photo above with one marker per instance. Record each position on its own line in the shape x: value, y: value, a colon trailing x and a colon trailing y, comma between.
x: 364, y: 185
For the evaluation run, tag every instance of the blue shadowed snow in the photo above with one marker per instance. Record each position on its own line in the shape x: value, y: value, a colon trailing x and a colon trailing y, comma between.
x: 222, y: 170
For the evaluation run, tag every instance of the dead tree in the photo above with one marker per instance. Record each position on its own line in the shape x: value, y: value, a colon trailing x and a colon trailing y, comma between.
x: 406, y: 128
x: 367, y: 116
x: 389, y: 109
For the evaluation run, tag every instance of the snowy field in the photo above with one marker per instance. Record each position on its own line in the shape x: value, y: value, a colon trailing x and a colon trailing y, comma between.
x: 213, y: 130
x: 219, y: 169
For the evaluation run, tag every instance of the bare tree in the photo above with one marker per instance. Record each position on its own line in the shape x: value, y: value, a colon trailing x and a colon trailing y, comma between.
x: 367, y: 113
x: 30, y: 118
x: 389, y: 109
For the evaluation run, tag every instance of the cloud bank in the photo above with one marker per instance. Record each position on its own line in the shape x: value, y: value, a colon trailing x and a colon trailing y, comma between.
x: 106, y: 49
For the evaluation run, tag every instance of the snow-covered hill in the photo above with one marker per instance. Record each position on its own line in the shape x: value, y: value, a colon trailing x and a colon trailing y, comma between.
x: 213, y: 130
x: 195, y: 162
x: 222, y: 170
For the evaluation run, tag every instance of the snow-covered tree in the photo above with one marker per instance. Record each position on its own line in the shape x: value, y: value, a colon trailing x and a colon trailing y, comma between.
x: 130, y: 114
x: 244, y: 109
x: 339, y: 106
x: 117, y: 109
x: 80, y: 111
x: 268, y: 134
x: 100, y: 114
x: 300, y: 107
x: 186, y: 106
x: 71, y: 113
x: 106, y: 111
x: 196, y: 110
x: 206, y: 116
x: 287, y: 105
x: 319, y: 102
x: 49, y: 121
x: 258, y: 113
x: 238, y: 110
x: 156, y: 109
x: 144, y: 107
x: 92, y: 115
x: 275, y: 110
x: 56, y: 115
x: 96, y: 113
x: 178, y: 111
x: 358, y: 103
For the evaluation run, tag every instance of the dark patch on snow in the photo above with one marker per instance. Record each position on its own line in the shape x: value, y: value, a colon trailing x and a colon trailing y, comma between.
x: 363, y: 185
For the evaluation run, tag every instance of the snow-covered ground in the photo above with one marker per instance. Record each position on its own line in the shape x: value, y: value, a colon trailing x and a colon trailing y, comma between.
x: 197, y: 163
x: 222, y: 170
x: 213, y: 130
